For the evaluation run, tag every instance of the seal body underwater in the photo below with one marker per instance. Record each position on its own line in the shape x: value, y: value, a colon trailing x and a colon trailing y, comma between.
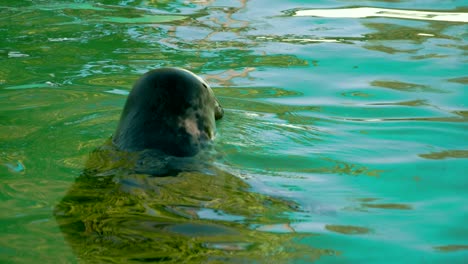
x: 170, y: 110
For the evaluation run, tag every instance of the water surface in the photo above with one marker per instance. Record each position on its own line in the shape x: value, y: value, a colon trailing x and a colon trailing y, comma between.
x: 344, y: 139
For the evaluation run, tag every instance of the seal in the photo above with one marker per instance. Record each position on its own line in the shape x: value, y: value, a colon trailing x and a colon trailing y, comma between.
x: 170, y: 110
x: 149, y: 194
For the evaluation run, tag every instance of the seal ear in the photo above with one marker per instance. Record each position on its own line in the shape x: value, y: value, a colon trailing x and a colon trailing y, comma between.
x: 218, y: 110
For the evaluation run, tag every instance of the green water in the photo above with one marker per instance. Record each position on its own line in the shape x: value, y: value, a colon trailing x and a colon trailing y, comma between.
x: 344, y: 139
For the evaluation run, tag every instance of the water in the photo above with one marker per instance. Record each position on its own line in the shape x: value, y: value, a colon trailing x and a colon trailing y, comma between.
x: 344, y: 139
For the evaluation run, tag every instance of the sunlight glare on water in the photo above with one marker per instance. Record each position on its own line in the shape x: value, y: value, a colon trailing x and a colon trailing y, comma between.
x: 344, y: 138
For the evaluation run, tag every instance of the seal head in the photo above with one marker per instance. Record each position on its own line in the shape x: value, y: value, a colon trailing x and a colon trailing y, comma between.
x: 170, y: 110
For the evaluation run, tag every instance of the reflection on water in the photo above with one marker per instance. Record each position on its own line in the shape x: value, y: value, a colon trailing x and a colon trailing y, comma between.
x: 462, y: 80
x: 344, y: 138
x: 113, y: 212
x: 363, y: 12
x: 401, y: 86
x: 348, y: 230
x: 446, y: 154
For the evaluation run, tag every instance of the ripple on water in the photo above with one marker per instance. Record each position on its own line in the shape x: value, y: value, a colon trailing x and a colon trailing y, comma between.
x: 347, y: 122
x: 364, y: 12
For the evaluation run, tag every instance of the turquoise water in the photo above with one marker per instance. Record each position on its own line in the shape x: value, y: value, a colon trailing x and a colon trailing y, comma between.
x: 344, y: 139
